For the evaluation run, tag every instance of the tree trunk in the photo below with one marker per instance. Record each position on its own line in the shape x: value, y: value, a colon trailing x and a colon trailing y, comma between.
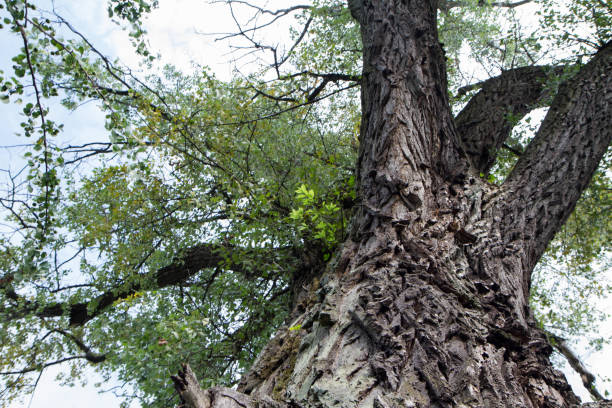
x: 426, y: 305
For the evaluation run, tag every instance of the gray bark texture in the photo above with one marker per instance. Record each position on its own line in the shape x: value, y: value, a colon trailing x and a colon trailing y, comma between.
x: 426, y: 305
x: 507, y: 98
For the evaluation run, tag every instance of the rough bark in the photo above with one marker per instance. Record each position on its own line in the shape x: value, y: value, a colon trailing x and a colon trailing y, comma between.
x: 548, y: 179
x: 426, y: 305
x: 488, y: 118
x: 192, y: 396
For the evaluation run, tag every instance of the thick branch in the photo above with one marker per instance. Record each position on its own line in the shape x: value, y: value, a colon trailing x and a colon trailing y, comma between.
x: 182, y: 268
x: 487, y: 120
x: 446, y: 6
x: 549, y: 178
x: 188, y: 387
x: 588, y: 379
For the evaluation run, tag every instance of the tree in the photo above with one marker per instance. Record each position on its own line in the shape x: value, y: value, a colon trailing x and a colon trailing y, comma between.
x: 405, y: 283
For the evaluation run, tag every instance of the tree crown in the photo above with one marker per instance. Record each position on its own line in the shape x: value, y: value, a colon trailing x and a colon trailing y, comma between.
x: 188, y: 232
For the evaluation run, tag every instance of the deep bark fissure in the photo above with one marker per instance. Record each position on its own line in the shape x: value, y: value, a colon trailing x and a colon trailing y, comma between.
x: 426, y: 305
x: 558, y: 164
x: 491, y: 114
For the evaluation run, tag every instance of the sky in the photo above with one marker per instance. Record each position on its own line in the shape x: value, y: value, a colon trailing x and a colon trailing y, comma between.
x: 176, y: 31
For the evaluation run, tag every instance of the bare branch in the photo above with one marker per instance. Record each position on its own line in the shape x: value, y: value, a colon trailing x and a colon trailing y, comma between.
x: 446, y: 6
x: 261, y: 10
x: 252, y: 26
x: 588, y: 379
x: 507, y: 4
x: 295, y: 44
x: 192, y: 396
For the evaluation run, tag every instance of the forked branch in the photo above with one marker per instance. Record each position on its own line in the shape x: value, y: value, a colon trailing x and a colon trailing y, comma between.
x: 488, y: 118
x: 547, y: 181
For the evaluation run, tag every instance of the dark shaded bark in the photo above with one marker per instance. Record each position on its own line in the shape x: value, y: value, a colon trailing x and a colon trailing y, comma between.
x: 487, y: 120
x: 544, y: 186
x: 407, y: 135
x: 426, y: 305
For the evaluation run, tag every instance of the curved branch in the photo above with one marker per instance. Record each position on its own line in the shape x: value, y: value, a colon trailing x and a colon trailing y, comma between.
x: 182, y: 268
x: 488, y: 118
x: 588, y: 379
x: 561, y: 159
x: 89, y: 354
